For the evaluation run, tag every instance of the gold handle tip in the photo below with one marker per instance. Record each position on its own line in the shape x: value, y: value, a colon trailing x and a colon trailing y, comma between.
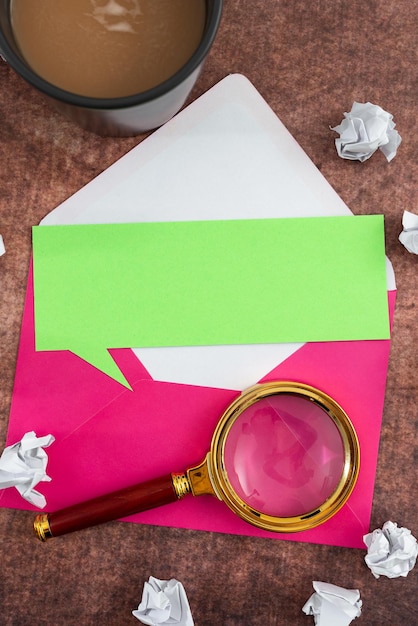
x: 181, y: 485
x: 41, y: 527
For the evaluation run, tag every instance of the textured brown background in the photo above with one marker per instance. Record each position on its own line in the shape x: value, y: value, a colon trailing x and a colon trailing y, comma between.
x: 310, y: 60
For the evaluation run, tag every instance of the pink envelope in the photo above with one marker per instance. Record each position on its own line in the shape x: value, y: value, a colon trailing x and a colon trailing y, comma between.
x: 108, y: 437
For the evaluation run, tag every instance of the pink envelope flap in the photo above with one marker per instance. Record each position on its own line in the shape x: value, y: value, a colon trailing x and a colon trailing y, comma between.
x: 107, y: 437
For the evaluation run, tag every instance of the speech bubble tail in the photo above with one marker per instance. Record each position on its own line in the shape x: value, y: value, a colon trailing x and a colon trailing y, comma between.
x: 103, y: 361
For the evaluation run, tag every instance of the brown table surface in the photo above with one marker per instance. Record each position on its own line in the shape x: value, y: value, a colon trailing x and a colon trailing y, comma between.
x: 310, y: 61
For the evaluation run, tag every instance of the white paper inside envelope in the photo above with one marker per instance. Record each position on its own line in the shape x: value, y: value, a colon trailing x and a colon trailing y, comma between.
x: 226, y: 156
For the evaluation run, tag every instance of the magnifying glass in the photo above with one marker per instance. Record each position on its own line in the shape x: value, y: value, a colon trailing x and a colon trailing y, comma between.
x: 284, y: 457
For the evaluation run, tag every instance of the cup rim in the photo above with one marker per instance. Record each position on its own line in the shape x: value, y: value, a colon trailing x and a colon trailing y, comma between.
x: 142, y: 97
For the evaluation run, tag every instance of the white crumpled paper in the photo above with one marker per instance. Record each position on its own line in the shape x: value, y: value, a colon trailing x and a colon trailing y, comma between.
x: 392, y: 551
x: 366, y: 128
x: 2, y: 247
x: 23, y: 465
x: 164, y: 602
x: 409, y: 235
x: 333, y: 606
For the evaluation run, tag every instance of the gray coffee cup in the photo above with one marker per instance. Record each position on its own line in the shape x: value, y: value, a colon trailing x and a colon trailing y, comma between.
x: 121, y: 116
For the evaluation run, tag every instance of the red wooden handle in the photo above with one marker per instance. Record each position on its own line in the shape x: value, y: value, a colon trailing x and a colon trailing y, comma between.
x: 123, y: 503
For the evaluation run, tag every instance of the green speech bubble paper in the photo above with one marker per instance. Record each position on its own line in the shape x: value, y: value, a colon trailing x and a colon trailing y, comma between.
x: 208, y: 283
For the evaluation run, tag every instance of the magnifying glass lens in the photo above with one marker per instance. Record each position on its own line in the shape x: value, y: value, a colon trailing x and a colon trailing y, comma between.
x: 284, y: 455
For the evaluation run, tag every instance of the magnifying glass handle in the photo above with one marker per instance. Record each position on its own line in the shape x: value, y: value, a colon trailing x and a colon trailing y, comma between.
x: 122, y: 503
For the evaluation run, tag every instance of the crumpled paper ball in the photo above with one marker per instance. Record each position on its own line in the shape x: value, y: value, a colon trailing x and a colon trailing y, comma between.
x: 392, y: 551
x: 164, y: 602
x: 366, y: 128
x: 333, y: 606
x: 409, y: 235
x: 23, y: 465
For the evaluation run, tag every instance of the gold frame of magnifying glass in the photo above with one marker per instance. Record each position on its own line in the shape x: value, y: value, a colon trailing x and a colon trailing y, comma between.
x: 211, y: 477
